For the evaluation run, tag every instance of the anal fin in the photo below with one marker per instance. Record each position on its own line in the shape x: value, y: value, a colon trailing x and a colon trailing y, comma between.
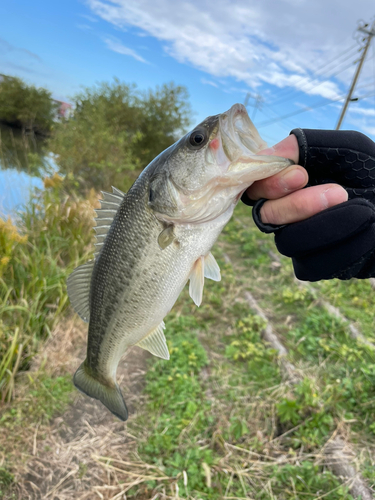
x: 155, y: 342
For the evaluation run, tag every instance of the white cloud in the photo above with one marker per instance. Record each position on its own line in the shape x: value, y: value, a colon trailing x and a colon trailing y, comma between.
x: 115, y: 45
x: 362, y: 111
x: 84, y: 27
x: 281, y: 43
x: 89, y: 18
x: 209, y: 82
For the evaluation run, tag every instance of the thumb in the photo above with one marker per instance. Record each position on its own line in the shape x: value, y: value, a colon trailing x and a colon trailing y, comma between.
x: 287, y: 148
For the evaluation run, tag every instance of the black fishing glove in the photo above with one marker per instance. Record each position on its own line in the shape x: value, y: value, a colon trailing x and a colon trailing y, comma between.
x: 338, y: 242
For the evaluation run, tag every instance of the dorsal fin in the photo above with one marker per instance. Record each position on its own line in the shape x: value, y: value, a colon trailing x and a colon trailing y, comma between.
x: 105, y: 215
x: 79, y: 281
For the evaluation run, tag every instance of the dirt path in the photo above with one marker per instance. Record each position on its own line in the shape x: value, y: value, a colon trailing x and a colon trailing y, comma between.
x: 64, y: 461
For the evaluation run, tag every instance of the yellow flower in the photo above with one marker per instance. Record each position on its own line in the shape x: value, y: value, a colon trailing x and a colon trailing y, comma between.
x: 4, y: 261
x: 53, y: 181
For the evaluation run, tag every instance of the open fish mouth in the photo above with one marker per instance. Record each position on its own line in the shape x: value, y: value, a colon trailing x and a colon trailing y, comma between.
x: 241, y: 144
x: 238, y: 134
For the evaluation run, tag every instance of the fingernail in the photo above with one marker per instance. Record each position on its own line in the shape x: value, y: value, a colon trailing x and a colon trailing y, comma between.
x: 333, y: 196
x: 293, y: 179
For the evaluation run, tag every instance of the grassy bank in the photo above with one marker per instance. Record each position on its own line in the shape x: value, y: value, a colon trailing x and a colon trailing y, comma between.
x: 219, y: 420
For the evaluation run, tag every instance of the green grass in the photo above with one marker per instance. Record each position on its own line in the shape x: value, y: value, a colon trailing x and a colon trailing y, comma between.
x: 356, y: 301
x: 178, y: 414
x: 6, y: 481
x: 220, y: 419
x: 45, y: 397
x: 245, y: 404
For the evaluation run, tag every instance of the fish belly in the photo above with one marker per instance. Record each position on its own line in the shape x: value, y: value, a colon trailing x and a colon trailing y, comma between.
x: 158, y: 279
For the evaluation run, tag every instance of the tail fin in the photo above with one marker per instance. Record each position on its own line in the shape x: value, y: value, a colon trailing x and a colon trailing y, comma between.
x: 111, y: 397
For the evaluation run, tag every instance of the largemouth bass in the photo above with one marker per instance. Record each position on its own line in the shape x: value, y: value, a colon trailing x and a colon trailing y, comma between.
x: 155, y: 238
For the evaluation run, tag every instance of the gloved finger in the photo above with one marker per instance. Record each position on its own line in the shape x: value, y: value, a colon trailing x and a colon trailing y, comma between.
x: 342, y: 156
x: 279, y: 185
x: 302, y: 204
x: 338, y: 242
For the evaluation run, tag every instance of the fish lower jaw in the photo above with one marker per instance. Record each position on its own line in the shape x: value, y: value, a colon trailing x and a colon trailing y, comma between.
x: 248, y: 170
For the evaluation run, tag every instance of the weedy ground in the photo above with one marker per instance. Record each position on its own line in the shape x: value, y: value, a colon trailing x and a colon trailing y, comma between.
x: 219, y: 420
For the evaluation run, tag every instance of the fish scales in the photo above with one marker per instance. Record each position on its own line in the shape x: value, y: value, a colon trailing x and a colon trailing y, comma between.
x: 161, y: 236
x: 133, y: 271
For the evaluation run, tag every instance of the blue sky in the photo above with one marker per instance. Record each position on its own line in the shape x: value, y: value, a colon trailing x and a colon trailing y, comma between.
x: 283, y: 51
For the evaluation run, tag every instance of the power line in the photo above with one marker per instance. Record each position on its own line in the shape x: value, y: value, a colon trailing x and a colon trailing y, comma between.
x: 370, y: 84
x: 363, y: 97
x: 317, y: 72
x: 268, y: 110
x: 336, y: 58
x: 278, y: 118
x: 307, y: 90
x: 310, y: 108
x: 259, y: 104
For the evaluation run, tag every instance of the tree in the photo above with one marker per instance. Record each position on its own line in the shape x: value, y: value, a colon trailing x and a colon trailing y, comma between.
x: 26, y: 106
x: 116, y: 130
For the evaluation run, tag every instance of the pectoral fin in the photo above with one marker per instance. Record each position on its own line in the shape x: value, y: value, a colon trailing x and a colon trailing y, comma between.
x: 211, y: 268
x: 166, y: 237
x: 155, y: 342
x: 197, y: 281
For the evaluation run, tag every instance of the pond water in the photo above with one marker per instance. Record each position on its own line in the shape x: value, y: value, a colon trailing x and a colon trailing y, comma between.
x: 15, y: 191
x: 22, y: 163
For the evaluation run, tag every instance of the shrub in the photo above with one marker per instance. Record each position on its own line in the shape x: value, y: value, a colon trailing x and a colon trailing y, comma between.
x: 117, y: 129
x: 26, y: 106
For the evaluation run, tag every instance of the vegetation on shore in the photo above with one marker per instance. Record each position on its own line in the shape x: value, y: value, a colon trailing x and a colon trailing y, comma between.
x: 52, y: 237
x: 117, y: 130
x: 25, y: 106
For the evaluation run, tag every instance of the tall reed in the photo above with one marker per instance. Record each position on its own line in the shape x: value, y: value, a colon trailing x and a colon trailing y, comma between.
x: 53, y: 236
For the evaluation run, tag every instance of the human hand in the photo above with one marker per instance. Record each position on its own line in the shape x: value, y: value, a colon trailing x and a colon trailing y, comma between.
x: 336, y: 242
x: 287, y: 201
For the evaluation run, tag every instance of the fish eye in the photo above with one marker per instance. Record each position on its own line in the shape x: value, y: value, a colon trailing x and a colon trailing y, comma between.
x: 197, y: 138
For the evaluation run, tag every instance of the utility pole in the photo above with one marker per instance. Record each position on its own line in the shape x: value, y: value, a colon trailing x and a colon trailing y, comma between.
x: 258, y: 102
x: 370, y: 33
